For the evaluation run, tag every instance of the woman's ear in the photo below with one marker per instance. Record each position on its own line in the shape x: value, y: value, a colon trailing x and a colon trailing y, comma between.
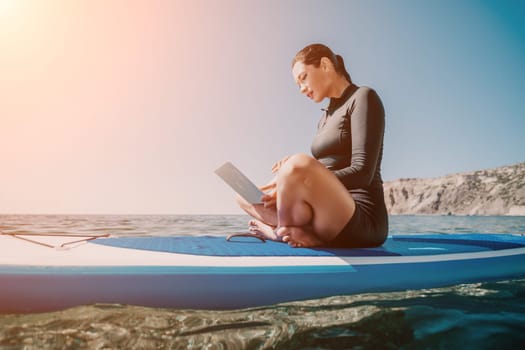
x: 326, y: 65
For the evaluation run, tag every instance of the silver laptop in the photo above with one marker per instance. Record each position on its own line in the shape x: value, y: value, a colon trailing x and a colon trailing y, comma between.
x: 239, y: 182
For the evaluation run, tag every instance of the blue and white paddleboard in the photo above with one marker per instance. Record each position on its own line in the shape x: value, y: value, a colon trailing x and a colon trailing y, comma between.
x: 207, y: 272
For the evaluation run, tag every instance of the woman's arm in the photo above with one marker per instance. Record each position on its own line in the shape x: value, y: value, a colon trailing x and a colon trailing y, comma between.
x: 367, y: 118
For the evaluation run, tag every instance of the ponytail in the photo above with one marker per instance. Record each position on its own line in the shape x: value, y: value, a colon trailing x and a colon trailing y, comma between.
x: 341, y: 69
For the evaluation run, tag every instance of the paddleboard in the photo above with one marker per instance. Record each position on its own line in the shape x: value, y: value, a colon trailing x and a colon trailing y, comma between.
x: 208, y: 272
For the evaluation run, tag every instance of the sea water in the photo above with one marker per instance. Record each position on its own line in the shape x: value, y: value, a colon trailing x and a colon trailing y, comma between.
x: 467, y: 316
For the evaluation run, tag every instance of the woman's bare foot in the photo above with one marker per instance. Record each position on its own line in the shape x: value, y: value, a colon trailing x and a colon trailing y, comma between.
x: 299, y: 237
x: 263, y: 230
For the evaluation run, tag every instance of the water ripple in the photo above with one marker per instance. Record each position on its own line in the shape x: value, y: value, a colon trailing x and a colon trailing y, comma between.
x: 488, y: 315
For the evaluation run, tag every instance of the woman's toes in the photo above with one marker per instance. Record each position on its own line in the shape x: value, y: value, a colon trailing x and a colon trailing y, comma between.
x: 295, y: 244
x: 262, y: 229
x: 281, y: 232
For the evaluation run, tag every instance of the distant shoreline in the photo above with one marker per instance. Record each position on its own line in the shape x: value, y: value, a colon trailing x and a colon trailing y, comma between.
x: 489, y: 192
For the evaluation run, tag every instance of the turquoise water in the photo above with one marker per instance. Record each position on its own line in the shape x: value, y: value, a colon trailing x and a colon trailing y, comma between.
x: 468, y: 316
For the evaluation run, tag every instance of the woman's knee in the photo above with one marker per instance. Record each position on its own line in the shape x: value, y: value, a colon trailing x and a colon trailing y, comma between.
x: 298, y: 164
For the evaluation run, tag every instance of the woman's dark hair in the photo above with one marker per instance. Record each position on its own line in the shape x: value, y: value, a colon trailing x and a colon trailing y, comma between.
x: 313, y: 53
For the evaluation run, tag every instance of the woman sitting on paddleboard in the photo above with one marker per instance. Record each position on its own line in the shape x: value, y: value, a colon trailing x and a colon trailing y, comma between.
x: 334, y: 198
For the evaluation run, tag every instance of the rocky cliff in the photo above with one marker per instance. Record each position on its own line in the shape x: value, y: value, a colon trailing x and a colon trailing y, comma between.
x: 499, y: 191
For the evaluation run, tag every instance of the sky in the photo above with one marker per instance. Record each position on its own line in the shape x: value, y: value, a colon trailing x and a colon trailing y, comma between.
x: 127, y: 106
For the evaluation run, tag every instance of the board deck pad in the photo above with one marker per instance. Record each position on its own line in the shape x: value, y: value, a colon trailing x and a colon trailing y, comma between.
x: 402, y: 245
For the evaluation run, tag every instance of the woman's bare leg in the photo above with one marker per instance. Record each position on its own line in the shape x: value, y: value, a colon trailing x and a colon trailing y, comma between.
x: 313, y: 206
x: 267, y: 216
x: 264, y: 219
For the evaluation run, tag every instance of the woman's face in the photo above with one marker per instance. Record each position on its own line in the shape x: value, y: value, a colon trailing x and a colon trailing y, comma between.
x: 312, y: 81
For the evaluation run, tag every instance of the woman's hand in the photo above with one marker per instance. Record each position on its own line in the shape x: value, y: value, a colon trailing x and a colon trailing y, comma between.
x: 276, y: 166
x: 269, y: 198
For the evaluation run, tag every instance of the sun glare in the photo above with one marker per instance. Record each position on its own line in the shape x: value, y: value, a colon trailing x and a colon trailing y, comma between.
x: 7, y: 7
x: 9, y: 11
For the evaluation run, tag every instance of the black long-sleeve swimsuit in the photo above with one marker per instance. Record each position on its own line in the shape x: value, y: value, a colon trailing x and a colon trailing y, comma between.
x: 349, y: 142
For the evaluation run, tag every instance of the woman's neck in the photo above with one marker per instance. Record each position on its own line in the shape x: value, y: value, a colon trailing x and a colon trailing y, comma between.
x: 338, y: 87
